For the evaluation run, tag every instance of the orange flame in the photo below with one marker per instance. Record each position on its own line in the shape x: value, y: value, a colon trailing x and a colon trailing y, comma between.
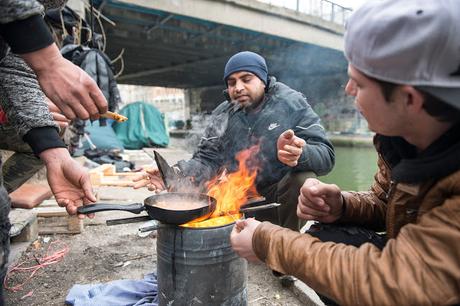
x: 232, y: 190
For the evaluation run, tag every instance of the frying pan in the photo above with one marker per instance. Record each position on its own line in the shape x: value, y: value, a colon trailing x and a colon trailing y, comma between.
x: 162, y: 214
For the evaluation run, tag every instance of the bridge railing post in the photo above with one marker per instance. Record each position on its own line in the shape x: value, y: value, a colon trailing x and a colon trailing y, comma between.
x: 325, y: 9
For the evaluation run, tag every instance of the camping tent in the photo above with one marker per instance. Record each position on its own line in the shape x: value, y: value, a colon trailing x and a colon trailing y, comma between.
x: 145, y: 127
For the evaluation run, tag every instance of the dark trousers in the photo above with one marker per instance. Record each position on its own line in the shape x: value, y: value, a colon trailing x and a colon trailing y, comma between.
x: 20, y: 166
x: 286, y: 192
x: 4, y: 236
x: 351, y: 235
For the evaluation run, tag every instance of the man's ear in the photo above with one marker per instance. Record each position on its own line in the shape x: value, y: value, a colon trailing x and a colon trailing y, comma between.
x: 226, y: 95
x: 414, y: 98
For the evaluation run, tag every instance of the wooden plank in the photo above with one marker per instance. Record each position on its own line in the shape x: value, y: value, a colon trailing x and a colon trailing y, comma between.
x: 28, y: 233
x: 118, y: 183
x: 56, y: 220
x: 49, y: 213
x: 106, y: 175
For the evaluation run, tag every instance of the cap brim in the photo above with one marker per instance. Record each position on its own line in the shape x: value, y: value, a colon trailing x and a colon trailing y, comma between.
x: 449, y: 95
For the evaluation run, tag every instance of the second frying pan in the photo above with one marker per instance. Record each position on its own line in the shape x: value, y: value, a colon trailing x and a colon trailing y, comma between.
x: 173, y: 208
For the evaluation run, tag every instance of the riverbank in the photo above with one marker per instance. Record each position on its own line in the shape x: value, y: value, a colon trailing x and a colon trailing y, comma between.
x: 188, y: 139
x: 359, y: 141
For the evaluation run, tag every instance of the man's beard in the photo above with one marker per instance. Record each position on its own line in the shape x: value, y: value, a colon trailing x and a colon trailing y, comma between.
x: 248, y: 105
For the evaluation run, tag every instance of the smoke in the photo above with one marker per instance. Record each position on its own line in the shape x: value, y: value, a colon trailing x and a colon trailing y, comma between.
x: 319, y: 73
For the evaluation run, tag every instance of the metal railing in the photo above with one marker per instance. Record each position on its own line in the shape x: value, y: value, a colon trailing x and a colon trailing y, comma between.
x: 325, y: 9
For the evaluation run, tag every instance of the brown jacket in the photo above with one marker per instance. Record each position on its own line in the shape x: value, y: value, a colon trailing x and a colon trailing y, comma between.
x: 420, y: 264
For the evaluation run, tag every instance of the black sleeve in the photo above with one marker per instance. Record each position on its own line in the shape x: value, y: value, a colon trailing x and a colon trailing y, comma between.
x: 26, y: 35
x: 43, y: 138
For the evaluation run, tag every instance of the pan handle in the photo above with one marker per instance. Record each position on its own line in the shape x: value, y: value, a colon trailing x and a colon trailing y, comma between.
x: 135, y: 208
x: 260, y: 207
x: 153, y: 225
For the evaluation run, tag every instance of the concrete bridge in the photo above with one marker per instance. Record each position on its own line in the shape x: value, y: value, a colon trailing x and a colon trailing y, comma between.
x: 185, y: 44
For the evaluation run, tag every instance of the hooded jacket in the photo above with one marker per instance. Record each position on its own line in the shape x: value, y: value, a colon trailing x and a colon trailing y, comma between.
x: 21, y: 98
x: 416, y: 199
x: 233, y: 130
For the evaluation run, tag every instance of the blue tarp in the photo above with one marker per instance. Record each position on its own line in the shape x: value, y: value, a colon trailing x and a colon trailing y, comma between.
x: 145, y: 127
x: 124, y: 292
x: 103, y: 137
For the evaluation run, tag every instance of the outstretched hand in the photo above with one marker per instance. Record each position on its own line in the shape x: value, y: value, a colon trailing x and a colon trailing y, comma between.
x: 68, y: 180
x: 289, y: 148
x: 319, y: 201
x: 58, y: 116
x: 241, y: 238
x: 150, y: 179
x: 72, y: 90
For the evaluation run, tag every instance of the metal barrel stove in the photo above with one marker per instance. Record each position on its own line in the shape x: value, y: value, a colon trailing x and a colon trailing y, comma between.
x: 197, y: 266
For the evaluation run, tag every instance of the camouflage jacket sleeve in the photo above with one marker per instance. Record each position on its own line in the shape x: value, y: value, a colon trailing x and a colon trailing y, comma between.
x: 24, y: 104
x: 14, y: 10
x: 17, y: 18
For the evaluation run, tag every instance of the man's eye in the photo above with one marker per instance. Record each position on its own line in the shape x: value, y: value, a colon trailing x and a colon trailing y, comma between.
x: 248, y: 79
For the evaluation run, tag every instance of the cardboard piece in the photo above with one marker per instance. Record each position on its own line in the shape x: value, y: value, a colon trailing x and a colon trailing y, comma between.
x: 30, y: 195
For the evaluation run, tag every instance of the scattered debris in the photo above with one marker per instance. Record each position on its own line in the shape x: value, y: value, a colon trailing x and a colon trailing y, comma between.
x: 33, y: 265
x: 29, y: 294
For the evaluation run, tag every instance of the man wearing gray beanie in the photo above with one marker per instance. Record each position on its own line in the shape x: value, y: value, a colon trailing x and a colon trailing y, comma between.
x: 398, y: 243
x: 260, y: 110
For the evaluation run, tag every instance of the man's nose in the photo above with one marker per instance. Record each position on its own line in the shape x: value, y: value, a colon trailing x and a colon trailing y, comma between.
x: 239, y: 86
x: 350, y: 88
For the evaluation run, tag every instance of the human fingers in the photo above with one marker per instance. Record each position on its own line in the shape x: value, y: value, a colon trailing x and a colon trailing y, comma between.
x: 294, y: 150
x: 240, y: 224
x: 98, y: 99
x: 236, y: 229
x: 321, y: 197
x: 153, y: 172
x: 60, y: 120
x: 251, y: 223
x: 82, y: 92
x: 313, y: 197
x: 155, y: 186
x: 70, y: 206
x: 299, y: 142
x: 287, y: 158
x: 51, y: 106
x: 57, y: 116
x: 87, y: 188
x: 141, y: 183
x: 288, y: 134
x: 67, y: 111
x: 311, y: 194
x: 146, y: 178
x: 157, y: 182
x: 308, y: 212
x: 75, y: 102
x: 141, y: 176
x: 88, y: 94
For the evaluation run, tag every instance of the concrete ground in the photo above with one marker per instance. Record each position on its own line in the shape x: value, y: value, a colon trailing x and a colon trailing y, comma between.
x: 104, y: 253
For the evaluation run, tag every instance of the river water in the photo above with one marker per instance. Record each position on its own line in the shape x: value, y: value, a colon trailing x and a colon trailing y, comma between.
x: 354, y: 168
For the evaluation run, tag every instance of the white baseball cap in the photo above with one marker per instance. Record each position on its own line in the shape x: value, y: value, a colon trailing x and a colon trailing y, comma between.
x: 414, y: 42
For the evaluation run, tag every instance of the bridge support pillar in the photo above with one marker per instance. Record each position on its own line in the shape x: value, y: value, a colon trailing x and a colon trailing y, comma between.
x: 203, y: 99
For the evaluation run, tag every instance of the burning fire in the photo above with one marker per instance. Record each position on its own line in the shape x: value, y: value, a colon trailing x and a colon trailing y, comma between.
x: 231, y: 190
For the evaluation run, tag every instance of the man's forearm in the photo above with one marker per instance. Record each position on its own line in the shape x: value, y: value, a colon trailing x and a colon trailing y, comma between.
x: 42, y: 59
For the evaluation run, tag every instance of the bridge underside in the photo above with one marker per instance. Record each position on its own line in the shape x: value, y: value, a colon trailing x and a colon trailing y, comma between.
x: 170, y: 50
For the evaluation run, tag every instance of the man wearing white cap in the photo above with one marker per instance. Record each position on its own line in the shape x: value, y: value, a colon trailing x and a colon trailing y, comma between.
x: 404, y: 68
